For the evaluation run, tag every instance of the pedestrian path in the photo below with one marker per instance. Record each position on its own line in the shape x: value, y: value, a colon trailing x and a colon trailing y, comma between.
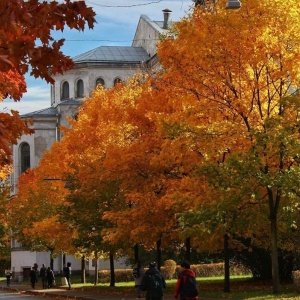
x: 77, y: 293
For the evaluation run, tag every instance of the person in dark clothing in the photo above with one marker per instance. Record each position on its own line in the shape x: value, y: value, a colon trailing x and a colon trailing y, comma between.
x: 33, y: 277
x: 50, y: 278
x: 153, y: 283
x: 186, y: 285
x: 138, y: 274
x: 36, y: 269
x: 67, y: 271
x: 43, y: 275
x: 8, y: 275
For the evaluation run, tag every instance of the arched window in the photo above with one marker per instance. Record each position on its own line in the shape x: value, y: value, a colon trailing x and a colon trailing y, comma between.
x: 65, y: 94
x: 117, y: 81
x: 100, y: 81
x: 80, y: 89
x: 25, y: 157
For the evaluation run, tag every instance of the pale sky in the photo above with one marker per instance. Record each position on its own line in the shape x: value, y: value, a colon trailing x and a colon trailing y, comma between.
x: 116, y: 25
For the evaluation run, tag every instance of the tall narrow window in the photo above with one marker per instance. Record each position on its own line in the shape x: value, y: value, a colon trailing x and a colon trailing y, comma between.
x: 80, y: 89
x: 100, y: 81
x: 65, y: 90
x: 25, y: 157
x: 52, y: 93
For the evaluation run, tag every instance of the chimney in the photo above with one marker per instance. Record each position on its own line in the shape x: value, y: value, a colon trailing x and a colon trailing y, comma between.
x: 166, y: 12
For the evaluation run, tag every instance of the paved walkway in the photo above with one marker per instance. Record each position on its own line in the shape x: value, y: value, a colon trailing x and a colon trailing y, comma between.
x: 77, y: 293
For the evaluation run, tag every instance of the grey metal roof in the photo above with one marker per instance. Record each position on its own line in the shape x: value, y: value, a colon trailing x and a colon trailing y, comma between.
x: 113, y: 54
x: 50, y: 111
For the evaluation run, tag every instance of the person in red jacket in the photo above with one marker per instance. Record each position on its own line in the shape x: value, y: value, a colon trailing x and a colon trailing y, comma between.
x: 186, y: 286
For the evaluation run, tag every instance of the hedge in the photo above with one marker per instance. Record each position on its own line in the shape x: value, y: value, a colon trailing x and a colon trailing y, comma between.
x: 169, y: 272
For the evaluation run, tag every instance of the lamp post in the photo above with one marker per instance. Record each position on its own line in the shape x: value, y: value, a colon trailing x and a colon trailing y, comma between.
x: 233, y: 4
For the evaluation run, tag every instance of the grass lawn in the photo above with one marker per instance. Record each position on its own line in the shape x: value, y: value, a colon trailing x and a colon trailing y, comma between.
x: 241, y: 288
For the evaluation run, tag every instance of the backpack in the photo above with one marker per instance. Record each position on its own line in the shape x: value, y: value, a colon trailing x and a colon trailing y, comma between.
x: 156, y: 285
x: 189, y: 286
x: 136, y: 273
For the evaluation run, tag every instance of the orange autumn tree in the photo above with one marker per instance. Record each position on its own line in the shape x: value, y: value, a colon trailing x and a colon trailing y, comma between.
x: 148, y: 166
x: 91, y: 193
x: 101, y: 125
x: 5, y: 240
x: 26, y: 42
x: 36, y: 208
x: 111, y: 147
x: 236, y: 75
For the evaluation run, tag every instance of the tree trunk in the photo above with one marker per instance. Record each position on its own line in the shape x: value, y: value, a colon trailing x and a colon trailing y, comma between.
x: 188, y: 249
x: 158, y: 250
x: 136, y: 253
x: 226, y: 265
x: 112, y: 269
x: 274, y: 255
x: 64, y: 260
x: 273, y: 208
x: 51, y: 259
x: 96, y: 269
x: 83, y: 269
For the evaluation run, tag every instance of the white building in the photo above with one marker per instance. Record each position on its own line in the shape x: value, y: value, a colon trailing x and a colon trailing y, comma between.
x: 103, y: 65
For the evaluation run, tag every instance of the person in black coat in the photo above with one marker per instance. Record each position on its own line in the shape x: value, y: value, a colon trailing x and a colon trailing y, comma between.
x: 153, y: 283
x: 33, y: 277
x: 43, y: 275
x: 68, y: 271
x: 50, y: 278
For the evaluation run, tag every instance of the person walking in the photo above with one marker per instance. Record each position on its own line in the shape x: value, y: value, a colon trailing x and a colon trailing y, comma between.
x: 8, y: 275
x: 186, y: 286
x: 50, y: 278
x: 36, y: 269
x: 43, y: 275
x: 138, y: 274
x: 153, y: 283
x: 68, y: 271
x: 33, y: 277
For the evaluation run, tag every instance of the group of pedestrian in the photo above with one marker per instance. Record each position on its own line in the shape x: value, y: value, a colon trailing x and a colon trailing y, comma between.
x: 153, y: 283
x: 46, y: 275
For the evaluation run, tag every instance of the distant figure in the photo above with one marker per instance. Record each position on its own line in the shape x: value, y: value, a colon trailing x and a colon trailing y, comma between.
x: 33, y: 277
x: 68, y: 271
x: 186, y: 285
x: 50, y: 278
x: 8, y: 275
x: 36, y: 269
x: 153, y: 283
x: 43, y: 275
x: 138, y: 273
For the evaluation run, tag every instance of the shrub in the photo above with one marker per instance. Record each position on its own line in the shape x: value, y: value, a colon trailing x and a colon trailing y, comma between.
x: 122, y: 275
x: 217, y: 269
x: 168, y: 271
x: 296, y: 277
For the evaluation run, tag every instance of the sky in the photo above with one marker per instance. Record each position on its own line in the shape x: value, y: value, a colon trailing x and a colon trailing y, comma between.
x: 116, y: 24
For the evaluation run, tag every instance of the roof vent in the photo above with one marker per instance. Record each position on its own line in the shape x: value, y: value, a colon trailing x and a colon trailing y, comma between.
x: 166, y: 12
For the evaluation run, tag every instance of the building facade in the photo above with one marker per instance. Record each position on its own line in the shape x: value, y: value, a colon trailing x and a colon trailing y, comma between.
x: 106, y: 65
